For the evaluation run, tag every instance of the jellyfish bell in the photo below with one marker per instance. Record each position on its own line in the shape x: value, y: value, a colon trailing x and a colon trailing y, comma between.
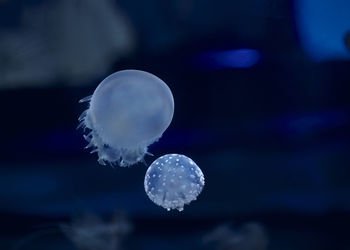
x: 173, y: 180
x: 128, y: 111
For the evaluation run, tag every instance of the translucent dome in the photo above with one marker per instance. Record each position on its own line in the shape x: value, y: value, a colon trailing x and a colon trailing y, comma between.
x: 173, y: 180
x: 128, y: 111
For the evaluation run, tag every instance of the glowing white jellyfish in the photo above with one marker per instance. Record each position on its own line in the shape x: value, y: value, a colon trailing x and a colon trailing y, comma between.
x: 173, y: 180
x: 128, y: 111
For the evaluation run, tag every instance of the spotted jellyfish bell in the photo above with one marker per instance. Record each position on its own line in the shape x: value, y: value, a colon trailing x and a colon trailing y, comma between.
x: 173, y: 180
x: 128, y: 111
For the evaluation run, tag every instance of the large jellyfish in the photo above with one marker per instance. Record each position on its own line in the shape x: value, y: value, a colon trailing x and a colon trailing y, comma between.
x: 173, y: 180
x: 128, y: 111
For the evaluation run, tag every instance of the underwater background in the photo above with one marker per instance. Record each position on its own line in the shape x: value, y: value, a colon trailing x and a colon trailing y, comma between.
x: 261, y: 90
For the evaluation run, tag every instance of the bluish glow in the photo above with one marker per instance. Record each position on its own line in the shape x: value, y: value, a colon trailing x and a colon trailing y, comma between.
x: 311, y: 122
x: 315, y: 202
x: 225, y: 59
x: 322, y: 26
x: 316, y: 122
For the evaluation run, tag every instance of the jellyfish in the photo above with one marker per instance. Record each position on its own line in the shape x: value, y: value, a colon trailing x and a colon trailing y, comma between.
x: 128, y: 111
x: 173, y: 180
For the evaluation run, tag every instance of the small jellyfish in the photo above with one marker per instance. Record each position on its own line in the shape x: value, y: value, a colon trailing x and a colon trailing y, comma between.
x: 128, y: 111
x: 173, y: 180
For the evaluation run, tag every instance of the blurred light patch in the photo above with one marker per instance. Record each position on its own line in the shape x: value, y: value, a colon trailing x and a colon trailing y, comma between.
x: 52, y: 43
x: 323, y: 26
x: 226, y: 59
x: 312, y: 122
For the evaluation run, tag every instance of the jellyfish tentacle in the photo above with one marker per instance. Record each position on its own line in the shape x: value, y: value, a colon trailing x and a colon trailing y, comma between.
x: 94, y: 151
x: 81, y: 125
x: 91, y: 144
x: 101, y: 162
x: 85, y: 99
x: 82, y: 116
x: 144, y: 161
